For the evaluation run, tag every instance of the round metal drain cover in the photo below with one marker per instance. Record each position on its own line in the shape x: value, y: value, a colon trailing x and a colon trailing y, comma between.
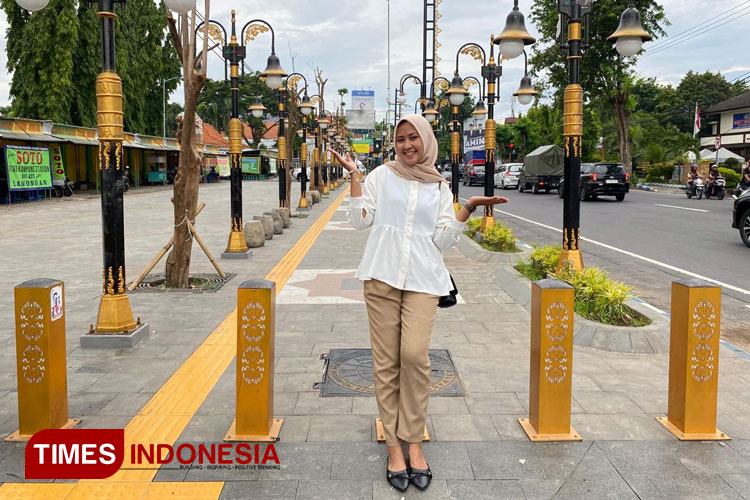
x: 349, y: 373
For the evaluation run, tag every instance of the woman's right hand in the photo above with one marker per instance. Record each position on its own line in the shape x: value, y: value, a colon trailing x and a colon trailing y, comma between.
x: 347, y: 162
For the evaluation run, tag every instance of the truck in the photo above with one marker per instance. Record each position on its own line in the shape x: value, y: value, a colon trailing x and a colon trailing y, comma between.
x: 542, y: 169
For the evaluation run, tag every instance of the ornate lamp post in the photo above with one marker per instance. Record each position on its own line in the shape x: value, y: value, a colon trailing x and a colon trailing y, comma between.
x: 115, y: 314
x: 628, y: 39
x: 306, y: 108
x: 325, y: 127
x: 234, y: 54
x: 525, y: 92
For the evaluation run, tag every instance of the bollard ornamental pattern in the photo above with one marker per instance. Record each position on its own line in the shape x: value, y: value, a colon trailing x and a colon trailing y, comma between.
x: 556, y: 357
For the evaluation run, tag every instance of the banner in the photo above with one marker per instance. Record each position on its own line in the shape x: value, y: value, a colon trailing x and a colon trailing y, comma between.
x: 741, y: 120
x: 474, y: 133
x: 222, y: 166
x: 250, y: 165
x: 360, y: 119
x: 28, y: 168
x: 363, y: 100
x: 58, y: 169
x: 361, y: 147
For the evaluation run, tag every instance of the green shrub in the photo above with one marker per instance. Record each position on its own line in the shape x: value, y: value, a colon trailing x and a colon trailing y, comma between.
x: 473, y: 225
x: 601, y: 299
x: 733, y: 164
x: 732, y: 177
x: 500, y: 238
x: 597, y: 297
x: 540, y: 263
x: 659, y: 172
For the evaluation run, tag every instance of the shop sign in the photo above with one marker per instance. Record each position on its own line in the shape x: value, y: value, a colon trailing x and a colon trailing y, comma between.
x: 28, y: 168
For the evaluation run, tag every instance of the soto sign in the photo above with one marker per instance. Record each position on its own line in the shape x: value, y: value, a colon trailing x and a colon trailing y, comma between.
x: 28, y: 168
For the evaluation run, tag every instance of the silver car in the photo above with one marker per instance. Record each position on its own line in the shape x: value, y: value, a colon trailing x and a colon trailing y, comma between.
x: 507, y: 175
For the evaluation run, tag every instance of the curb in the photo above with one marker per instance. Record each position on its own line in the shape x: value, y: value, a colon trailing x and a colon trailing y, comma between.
x: 651, y: 339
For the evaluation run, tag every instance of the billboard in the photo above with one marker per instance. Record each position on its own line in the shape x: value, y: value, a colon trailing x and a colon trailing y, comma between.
x: 741, y: 120
x: 363, y: 100
x: 474, y: 133
x: 28, y: 168
x: 360, y: 119
x: 362, y: 146
x: 250, y: 165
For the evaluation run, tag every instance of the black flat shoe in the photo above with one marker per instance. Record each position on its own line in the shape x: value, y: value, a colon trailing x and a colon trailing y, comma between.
x: 421, y: 478
x: 398, y: 479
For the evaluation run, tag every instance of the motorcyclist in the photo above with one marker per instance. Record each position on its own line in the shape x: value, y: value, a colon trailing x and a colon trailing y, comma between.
x: 691, y: 176
x: 713, y: 175
x: 745, y: 180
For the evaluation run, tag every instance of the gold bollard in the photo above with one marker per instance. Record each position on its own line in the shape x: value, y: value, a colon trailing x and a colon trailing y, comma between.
x: 256, y: 322
x: 694, y: 361
x: 551, y: 363
x: 40, y: 358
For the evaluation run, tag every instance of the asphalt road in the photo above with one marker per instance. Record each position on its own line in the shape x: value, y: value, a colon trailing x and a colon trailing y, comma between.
x: 647, y: 241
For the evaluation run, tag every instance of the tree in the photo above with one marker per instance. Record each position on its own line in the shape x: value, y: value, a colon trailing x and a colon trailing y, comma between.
x: 173, y: 110
x: 706, y: 89
x: 188, y: 172
x: 40, y: 50
x: 605, y: 75
x: 215, y: 104
x: 342, y: 92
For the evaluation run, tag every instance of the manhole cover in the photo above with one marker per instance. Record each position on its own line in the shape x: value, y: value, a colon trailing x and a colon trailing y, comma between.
x: 348, y: 372
x: 200, y: 282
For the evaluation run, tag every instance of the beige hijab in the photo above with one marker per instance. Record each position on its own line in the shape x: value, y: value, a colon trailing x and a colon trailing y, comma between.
x: 424, y: 170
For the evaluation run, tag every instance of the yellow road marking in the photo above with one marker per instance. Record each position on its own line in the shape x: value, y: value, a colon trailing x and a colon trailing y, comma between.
x: 169, y: 411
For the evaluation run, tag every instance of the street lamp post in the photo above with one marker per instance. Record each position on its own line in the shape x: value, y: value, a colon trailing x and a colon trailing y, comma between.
x: 115, y: 314
x: 306, y: 107
x: 628, y: 39
x: 234, y: 53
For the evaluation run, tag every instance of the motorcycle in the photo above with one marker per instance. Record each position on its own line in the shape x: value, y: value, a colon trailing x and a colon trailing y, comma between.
x: 717, y: 189
x: 695, y: 189
x: 63, y: 188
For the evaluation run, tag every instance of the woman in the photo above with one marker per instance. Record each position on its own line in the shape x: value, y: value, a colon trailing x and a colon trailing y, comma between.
x: 409, y: 206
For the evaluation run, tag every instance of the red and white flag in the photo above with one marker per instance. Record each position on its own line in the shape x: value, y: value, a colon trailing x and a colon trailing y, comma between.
x: 697, y: 123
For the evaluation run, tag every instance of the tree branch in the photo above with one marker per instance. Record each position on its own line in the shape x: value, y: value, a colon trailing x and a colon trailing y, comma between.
x: 172, y: 24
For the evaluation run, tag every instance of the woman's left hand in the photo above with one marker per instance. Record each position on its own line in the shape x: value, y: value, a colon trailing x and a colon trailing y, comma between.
x: 478, y: 201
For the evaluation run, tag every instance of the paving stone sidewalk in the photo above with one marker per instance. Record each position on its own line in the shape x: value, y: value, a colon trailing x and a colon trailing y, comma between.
x: 328, y: 448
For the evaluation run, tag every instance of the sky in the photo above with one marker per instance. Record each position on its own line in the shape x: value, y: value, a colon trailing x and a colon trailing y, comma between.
x: 348, y: 40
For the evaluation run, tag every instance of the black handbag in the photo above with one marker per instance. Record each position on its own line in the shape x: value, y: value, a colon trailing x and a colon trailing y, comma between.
x: 450, y: 299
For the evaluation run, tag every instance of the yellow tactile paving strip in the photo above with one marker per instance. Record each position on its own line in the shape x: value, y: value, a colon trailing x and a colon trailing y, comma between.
x: 169, y: 411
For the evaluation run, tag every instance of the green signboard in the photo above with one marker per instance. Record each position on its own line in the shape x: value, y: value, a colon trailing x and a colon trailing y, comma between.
x: 28, y: 168
x: 250, y: 165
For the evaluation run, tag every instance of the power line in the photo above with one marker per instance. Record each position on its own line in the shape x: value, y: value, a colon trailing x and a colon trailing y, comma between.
x: 685, y: 39
x: 674, y: 37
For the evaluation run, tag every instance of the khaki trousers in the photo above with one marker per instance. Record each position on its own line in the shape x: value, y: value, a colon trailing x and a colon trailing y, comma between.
x: 400, y: 330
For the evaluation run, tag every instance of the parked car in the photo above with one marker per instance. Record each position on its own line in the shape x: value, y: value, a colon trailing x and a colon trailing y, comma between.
x: 507, y: 175
x: 741, y: 216
x: 475, y: 174
x: 542, y: 169
x: 448, y: 171
x: 601, y: 179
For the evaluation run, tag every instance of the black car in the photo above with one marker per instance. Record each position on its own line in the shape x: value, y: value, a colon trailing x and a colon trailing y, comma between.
x: 741, y: 216
x: 601, y: 179
x: 474, y: 174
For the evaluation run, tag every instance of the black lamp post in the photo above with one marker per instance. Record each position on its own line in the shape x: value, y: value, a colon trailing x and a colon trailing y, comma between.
x: 234, y: 53
x: 306, y: 108
x: 628, y: 39
x: 115, y: 314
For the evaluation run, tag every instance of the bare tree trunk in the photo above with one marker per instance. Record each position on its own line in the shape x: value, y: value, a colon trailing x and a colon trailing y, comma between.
x: 621, y: 113
x: 186, y: 181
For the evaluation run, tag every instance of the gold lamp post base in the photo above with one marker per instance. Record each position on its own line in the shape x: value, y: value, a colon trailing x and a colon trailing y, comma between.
x: 325, y: 189
x: 272, y: 436
x: 115, y: 314
x: 487, y: 222
x: 572, y: 259
x: 536, y: 437
x: 381, y: 433
x: 237, y: 243
x: 16, y: 435
x: 456, y: 207
x: 303, y: 203
x: 692, y: 436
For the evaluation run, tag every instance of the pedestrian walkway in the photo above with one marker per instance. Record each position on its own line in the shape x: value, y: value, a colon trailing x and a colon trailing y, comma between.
x: 178, y: 386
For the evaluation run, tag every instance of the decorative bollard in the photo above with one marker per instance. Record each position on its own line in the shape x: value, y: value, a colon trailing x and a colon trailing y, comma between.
x: 256, y: 320
x: 40, y: 357
x: 551, y: 363
x: 694, y: 361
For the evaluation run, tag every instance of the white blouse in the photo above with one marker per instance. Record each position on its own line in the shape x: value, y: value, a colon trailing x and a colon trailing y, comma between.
x: 412, y: 223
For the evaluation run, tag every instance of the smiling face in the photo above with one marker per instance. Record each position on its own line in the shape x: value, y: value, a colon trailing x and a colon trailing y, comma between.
x: 409, y: 146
